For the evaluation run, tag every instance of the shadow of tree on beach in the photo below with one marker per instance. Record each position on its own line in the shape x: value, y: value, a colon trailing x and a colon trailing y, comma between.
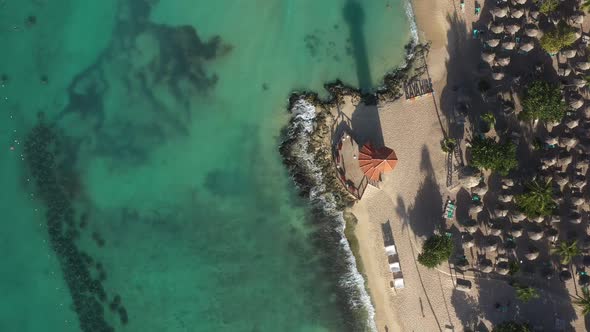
x: 424, y: 214
x: 365, y: 118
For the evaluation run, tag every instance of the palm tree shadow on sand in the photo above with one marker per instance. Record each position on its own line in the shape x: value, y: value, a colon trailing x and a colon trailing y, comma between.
x: 365, y: 119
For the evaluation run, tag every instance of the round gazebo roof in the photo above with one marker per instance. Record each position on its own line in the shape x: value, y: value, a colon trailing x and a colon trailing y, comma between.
x: 375, y: 161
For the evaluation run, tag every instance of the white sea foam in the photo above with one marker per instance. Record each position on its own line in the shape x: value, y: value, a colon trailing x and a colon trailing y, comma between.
x: 301, y: 129
x: 412, y: 20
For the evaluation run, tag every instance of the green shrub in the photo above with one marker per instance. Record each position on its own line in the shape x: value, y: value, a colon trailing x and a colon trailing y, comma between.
x: 543, y: 101
x: 437, y: 249
x: 448, y: 144
x: 488, y: 154
x: 537, y: 200
x: 557, y: 38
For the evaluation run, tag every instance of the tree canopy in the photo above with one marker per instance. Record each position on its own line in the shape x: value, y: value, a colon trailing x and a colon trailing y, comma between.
x: 486, y: 153
x: 543, y: 101
x: 437, y: 249
x: 511, y: 326
x: 548, y: 6
x: 526, y: 293
x: 537, y: 200
x: 566, y: 251
x: 557, y: 38
x: 583, y: 301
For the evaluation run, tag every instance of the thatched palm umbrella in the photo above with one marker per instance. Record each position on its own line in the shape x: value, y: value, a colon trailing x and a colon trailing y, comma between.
x: 496, y: 229
x: 579, y: 82
x: 531, y: 30
x: 497, y: 27
x: 552, y: 140
x: 526, y: 46
x: 577, y: 200
x: 507, y: 183
x: 564, y: 160
x: 549, y: 160
x: 488, y: 56
x: 503, y: 268
x: 500, y: 211
x: 555, y: 219
x: 564, y: 71
x: 574, y: 217
x: 576, y: 101
x: 505, y: 198
x: 491, y: 244
x: 475, y: 209
x: 577, y: 18
x: 512, y: 28
x: 493, y: 42
x: 561, y: 178
x: 503, y: 60
x: 470, y: 226
x: 468, y: 240
x: 508, y: 45
x: 469, y: 177
x: 499, y: 11
x: 498, y: 76
x: 538, y: 219
x: 583, y: 65
x: 480, y: 190
x: 534, y: 14
x: 532, y: 254
x: 486, y: 266
x: 552, y: 234
x: 516, y: 230
x: 516, y: 12
x: 535, y: 233
x: 578, y: 33
x: 579, y: 181
x: 568, y: 53
x: 517, y: 216
x: 520, y: 2
x: 572, y: 123
x: 567, y: 141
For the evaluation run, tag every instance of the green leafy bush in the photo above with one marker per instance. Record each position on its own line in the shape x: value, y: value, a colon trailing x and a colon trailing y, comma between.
x: 448, y: 144
x: 488, y: 154
x: 437, y: 249
x: 537, y: 200
x: 557, y: 38
x: 543, y: 101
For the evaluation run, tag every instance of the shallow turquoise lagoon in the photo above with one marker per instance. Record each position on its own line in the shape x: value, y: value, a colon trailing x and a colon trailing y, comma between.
x: 168, y: 115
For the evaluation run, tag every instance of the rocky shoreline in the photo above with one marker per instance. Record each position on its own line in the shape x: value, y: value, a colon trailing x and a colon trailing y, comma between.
x: 306, y: 150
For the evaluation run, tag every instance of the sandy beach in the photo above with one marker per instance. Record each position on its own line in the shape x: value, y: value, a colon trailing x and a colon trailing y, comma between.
x: 411, y: 198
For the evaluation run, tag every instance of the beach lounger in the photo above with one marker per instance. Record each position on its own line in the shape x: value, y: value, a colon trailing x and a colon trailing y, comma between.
x: 398, y: 283
x: 477, y: 9
x: 462, y: 6
x: 475, y: 34
x: 449, y: 210
x: 395, y: 267
x: 390, y: 250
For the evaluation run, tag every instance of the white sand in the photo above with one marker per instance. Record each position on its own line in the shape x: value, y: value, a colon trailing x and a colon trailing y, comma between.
x: 414, y: 193
x: 413, y: 130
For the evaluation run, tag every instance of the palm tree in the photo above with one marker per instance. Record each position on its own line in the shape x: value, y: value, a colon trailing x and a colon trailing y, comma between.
x: 526, y: 293
x: 583, y: 301
x: 537, y: 200
x: 567, y: 251
x: 586, y: 5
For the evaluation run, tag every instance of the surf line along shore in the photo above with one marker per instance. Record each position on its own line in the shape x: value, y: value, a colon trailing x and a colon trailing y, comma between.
x: 413, y: 129
x: 307, y: 152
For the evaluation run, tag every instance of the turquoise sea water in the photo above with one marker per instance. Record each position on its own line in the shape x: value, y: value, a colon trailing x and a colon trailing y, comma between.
x: 168, y: 116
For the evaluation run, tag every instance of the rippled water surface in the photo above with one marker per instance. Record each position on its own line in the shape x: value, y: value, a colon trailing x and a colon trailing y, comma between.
x: 151, y: 195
